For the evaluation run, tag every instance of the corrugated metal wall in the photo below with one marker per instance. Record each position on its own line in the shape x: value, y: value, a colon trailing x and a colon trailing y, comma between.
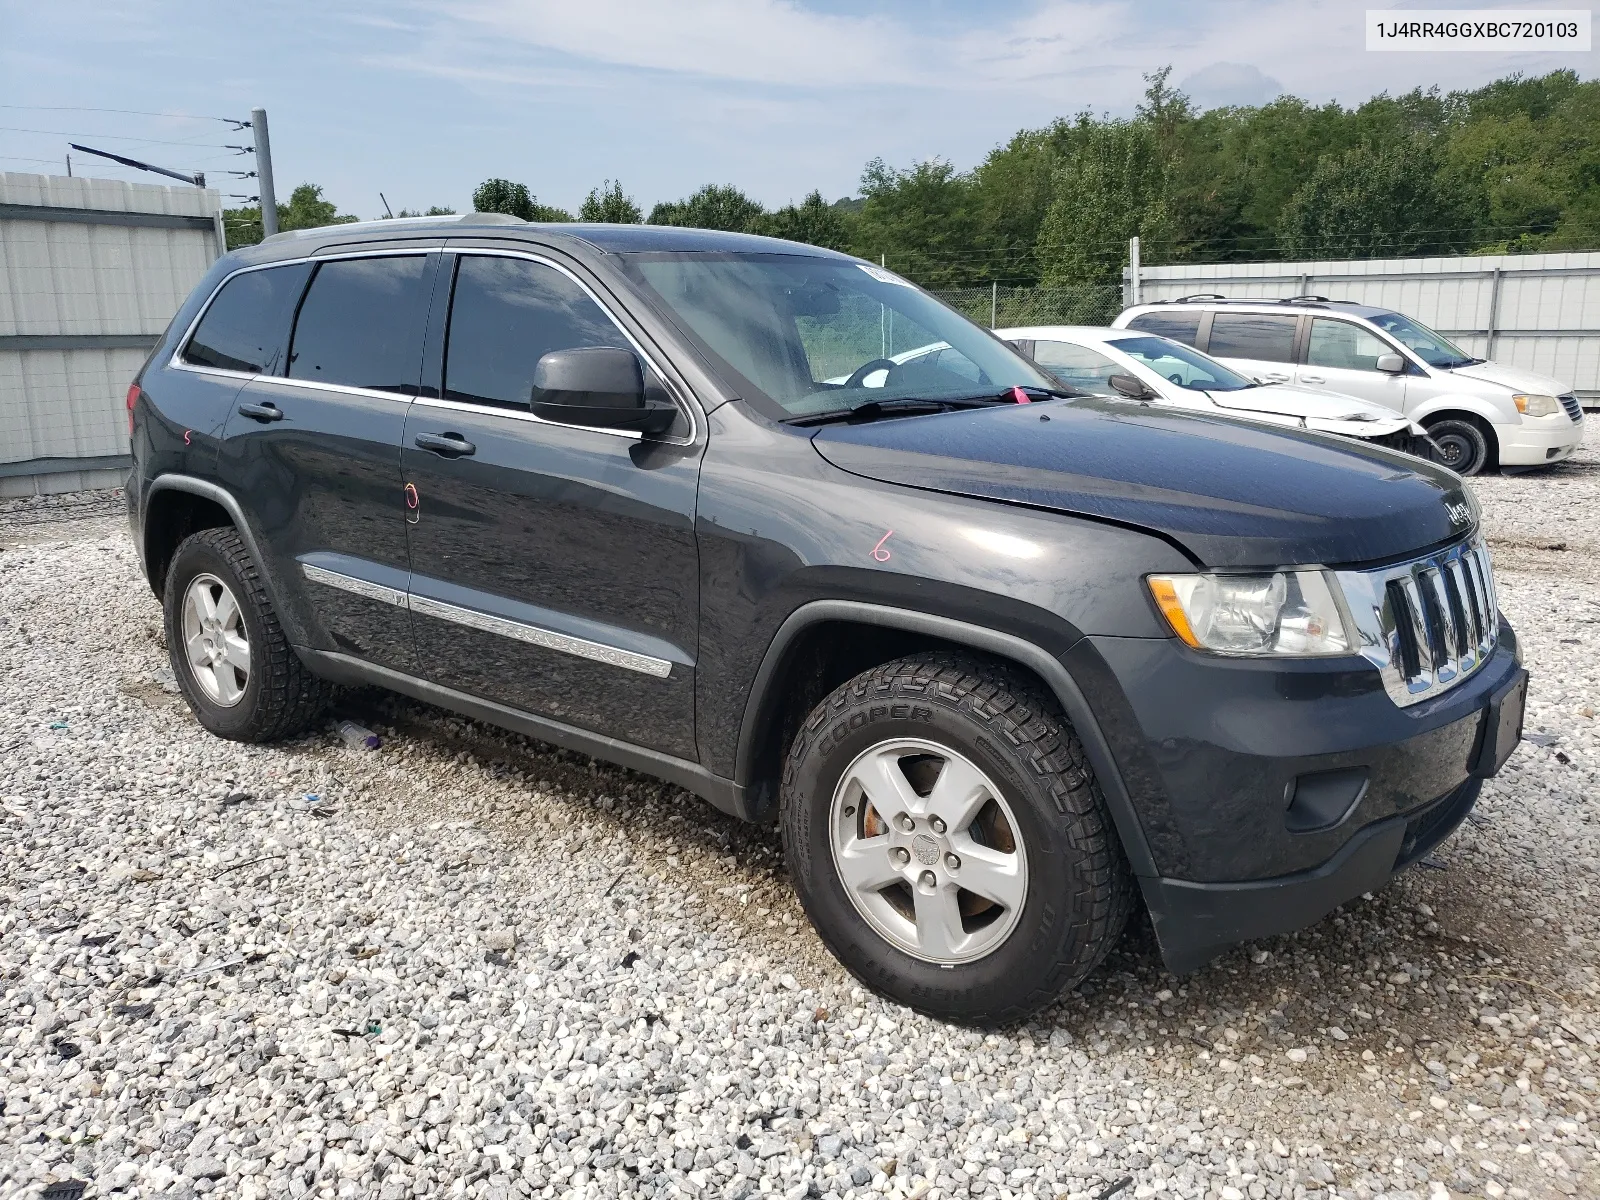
x: 1538, y: 311
x: 91, y: 271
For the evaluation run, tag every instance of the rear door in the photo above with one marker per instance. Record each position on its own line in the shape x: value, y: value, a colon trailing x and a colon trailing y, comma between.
x: 1262, y: 345
x: 313, y: 449
x: 555, y: 566
x: 1342, y: 356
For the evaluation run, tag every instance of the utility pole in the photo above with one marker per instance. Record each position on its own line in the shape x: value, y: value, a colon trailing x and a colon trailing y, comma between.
x: 269, y: 198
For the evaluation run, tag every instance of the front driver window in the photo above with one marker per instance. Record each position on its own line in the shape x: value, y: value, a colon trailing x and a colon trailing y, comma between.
x: 1341, y: 345
x: 1078, y: 366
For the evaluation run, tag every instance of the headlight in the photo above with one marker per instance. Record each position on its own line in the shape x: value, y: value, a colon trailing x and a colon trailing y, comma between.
x: 1291, y: 614
x: 1537, y: 406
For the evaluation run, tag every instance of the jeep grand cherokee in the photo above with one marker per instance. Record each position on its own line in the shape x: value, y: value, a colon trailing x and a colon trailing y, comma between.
x: 1000, y: 662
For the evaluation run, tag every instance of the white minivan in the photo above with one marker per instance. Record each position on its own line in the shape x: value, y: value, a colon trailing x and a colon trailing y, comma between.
x: 1481, y: 414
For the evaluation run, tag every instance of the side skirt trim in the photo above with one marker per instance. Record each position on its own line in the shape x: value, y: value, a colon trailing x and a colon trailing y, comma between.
x: 721, y: 793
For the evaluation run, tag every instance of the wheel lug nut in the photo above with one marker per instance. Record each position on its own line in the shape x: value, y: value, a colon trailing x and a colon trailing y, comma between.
x: 938, y: 825
x: 905, y: 822
x: 902, y: 855
x: 952, y: 861
x: 927, y: 881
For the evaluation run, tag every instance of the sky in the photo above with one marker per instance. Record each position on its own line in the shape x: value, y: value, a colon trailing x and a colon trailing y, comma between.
x: 423, y: 99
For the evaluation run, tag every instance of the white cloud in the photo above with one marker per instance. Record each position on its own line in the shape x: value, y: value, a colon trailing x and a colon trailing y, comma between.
x: 1226, y: 84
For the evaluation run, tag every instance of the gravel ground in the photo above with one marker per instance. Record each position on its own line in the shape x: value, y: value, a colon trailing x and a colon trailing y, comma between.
x: 466, y: 964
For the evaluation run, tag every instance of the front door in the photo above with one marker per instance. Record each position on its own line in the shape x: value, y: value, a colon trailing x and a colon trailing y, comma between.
x: 314, y: 445
x: 1341, y: 356
x: 554, y: 567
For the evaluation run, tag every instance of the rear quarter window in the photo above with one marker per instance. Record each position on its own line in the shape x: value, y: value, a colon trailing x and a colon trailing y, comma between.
x: 244, y: 326
x: 1179, y: 326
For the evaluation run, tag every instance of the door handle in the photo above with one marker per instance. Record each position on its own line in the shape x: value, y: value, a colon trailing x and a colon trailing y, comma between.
x: 1277, y: 377
x: 1312, y: 379
x: 261, y: 412
x: 451, y: 445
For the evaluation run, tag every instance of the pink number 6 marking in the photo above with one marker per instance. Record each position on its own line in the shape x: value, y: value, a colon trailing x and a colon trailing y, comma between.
x: 880, y: 551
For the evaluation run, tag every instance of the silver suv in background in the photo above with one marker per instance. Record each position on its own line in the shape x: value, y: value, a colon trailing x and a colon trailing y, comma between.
x: 1481, y: 414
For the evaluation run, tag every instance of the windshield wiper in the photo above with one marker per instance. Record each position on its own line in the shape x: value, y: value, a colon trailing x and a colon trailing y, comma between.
x: 914, y: 406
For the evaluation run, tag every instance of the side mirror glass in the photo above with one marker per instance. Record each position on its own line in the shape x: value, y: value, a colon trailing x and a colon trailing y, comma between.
x: 1391, y: 364
x: 1130, y: 386
x: 598, y: 386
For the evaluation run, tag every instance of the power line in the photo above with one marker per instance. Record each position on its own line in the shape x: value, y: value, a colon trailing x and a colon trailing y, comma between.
x: 132, y: 112
x: 109, y: 137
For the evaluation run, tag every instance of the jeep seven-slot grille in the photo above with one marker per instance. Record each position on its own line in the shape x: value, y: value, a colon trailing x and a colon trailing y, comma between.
x: 1570, y: 403
x: 1429, y: 623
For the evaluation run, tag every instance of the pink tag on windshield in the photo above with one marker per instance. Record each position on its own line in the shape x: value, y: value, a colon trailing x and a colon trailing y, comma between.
x: 1020, y: 396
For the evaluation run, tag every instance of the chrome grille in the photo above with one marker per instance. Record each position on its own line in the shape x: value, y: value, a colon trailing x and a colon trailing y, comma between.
x: 1426, y: 624
x: 1570, y: 403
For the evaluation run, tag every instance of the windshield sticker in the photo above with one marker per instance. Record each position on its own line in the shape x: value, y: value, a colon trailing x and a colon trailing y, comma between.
x: 883, y: 276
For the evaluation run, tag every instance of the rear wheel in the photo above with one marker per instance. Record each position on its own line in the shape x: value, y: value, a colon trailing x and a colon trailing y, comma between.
x: 948, y: 840
x: 235, y: 667
x: 1461, y: 445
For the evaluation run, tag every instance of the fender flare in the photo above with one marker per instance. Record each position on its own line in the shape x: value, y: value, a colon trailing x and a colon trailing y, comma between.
x: 219, y: 495
x: 761, y: 702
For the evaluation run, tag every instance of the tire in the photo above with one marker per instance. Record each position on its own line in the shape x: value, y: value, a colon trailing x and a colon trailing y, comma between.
x: 924, y: 715
x: 276, y: 696
x: 1462, y: 445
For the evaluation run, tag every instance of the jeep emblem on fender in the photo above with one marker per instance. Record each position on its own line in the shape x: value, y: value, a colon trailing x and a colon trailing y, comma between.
x: 1459, y: 513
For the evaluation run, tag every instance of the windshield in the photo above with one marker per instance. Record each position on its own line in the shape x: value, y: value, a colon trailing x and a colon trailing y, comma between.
x: 803, y: 336
x: 1183, y: 365
x: 1424, y: 342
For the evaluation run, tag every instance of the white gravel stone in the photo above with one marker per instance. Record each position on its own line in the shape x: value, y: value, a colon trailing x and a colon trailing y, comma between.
x: 414, y: 984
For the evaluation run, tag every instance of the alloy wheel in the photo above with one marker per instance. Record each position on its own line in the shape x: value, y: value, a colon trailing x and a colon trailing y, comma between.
x: 928, y: 850
x: 215, y: 640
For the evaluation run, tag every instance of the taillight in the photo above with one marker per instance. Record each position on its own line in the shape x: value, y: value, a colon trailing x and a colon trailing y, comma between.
x: 133, y: 398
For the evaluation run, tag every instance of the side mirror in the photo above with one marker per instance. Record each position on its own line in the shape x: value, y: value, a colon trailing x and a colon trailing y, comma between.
x: 598, y: 386
x: 1391, y: 364
x: 1131, y: 387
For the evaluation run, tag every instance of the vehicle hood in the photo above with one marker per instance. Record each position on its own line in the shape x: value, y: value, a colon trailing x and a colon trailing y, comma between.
x: 1513, y: 378
x: 1232, y: 492
x: 1296, y: 401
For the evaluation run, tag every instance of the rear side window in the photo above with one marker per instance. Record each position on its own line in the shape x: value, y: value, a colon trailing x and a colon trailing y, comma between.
x: 1077, y: 366
x: 361, y: 325
x: 507, y: 313
x: 244, y: 326
x: 1246, y: 335
x: 1179, y: 326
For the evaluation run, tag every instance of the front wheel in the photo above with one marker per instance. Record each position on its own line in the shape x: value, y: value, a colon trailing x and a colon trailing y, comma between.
x: 948, y: 839
x: 1460, y: 445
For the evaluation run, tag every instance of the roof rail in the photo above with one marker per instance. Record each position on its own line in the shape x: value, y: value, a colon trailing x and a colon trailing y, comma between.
x: 1304, y: 296
x: 1197, y: 296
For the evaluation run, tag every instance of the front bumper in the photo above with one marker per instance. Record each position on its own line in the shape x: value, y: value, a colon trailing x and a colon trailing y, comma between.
x: 1270, y: 793
x: 1541, y: 440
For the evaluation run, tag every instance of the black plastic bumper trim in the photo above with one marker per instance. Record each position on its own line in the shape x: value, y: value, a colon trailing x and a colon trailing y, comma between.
x: 1195, y: 922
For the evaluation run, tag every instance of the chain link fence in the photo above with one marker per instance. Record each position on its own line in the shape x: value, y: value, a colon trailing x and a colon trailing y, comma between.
x: 1063, y: 304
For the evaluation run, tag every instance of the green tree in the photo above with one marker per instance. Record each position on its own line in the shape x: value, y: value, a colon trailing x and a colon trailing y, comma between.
x: 715, y: 206
x: 1368, y: 203
x: 306, y: 209
x: 813, y: 221
x: 921, y: 222
x: 514, y: 199
x: 1112, y: 189
x: 608, y: 204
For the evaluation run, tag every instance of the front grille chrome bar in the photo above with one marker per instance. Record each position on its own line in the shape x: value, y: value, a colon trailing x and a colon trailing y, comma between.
x: 1426, y: 624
